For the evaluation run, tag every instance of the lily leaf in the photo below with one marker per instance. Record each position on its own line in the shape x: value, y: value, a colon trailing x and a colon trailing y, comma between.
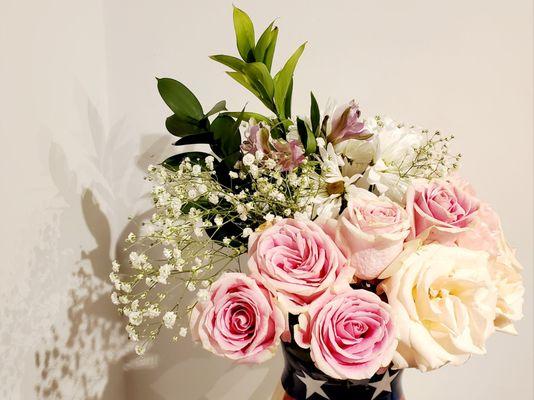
x: 244, y: 33
x: 244, y: 81
x: 315, y: 114
x: 173, y: 162
x: 180, y: 99
x: 269, y: 54
x: 226, y: 134
x: 263, y: 43
x: 306, y: 137
x: 206, y: 137
x: 282, y: 80
x: 257, y: 72
x: 217, y: 108
x: 179, y: 126
x: 232, y: 62
x: 246, y: 115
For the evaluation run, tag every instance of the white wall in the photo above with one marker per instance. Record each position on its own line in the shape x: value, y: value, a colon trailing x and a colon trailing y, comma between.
x: 81, y: 117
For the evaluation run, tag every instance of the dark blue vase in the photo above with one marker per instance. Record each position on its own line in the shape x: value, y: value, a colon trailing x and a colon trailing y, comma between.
x: 301, y: 380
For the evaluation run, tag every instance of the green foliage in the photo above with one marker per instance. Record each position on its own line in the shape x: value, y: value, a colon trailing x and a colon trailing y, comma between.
x: 218, y: 127
x: 283, y: 82
x: 307, y: 137
x: 180, y: 99
x: 244, y: 33
x: 315, y: 114
x: 253, y: 71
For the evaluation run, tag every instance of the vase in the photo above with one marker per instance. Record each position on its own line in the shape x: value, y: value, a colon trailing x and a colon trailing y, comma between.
x: 301, y: 380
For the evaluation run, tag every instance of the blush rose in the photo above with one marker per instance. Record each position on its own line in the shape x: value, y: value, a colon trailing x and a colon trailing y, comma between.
x: 445, y: 206
x: 297, y: 261
x: 351, y: 334
x: 239, y: 321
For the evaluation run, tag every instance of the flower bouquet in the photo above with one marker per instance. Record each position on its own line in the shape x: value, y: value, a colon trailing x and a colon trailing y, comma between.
x: 349, y: 241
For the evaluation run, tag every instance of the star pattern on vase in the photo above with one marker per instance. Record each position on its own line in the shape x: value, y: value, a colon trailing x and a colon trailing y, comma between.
x: 313, y: 386
x: 384, y: 384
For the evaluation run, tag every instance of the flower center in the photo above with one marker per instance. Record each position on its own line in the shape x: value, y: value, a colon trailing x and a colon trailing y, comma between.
x: 335, y: 187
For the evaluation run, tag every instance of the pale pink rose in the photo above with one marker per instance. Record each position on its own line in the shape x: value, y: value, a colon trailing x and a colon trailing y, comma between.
x: 297, y: 261
x: 239, y: 321
x: 484, y: 233
x: 351, y: 335
x: 370, y: 232
x: 446, y: 207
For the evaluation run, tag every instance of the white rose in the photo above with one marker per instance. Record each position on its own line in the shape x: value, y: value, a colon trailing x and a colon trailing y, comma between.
x: 506, y: 275
x: 444, y: 302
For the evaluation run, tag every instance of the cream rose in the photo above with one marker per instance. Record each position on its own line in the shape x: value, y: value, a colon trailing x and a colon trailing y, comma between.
x: 444, y: 302
x: 485, y: 233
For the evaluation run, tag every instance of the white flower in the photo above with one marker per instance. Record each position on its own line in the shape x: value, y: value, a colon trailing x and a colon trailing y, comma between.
x: 164, y: 273
x: 269, y: 217
x: 249, y: 159
x: 335, y: 184
x: 505, y: 271
x: 196, y: 170
x: 209, y: 162
x: 213, y: 198
x: 132, y: 333
x: 152, y: 311
x: 183, y: 332
x: 394, y: 150
x: 115, y: 298
x: 444, y: 300
x: 247, y: 232
x: 218, y: 220
x: 115, y: 266
x: 136, y: 318
x: 169, y: 319
x: 233, y: 174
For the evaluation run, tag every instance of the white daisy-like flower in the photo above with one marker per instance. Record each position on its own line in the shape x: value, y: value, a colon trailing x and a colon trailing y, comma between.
x: 334, y: 183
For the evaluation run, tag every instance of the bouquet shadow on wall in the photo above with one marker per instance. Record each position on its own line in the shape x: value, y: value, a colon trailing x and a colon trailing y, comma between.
x: 86, y: 355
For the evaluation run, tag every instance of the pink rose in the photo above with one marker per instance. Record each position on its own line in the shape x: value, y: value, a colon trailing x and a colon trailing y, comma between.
x: 297, y: 261
x: 239, y: 321
x: 370, y: 232
x: 350, y: 335
x: 445, y: 206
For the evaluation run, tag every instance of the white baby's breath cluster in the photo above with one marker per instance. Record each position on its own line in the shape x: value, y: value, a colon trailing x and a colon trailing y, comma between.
x: 199, y: 229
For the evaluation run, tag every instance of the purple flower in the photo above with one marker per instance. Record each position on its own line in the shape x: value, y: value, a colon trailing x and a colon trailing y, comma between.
x: 345, y: 124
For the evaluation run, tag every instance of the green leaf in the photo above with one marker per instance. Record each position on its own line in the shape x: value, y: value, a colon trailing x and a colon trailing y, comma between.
x: 247, y: 115
x: 306, y: 137
x: 226, y: 134
x: 315, y: 114
x: 269, y: 54
x: 288, y: 100
x: 232, y: 62
x: 244, y: 81
x: 206, y: 137
x: 179, y: 126
x: 282, y: 80
x: 180, y: 99
x: 173, y: 162
x: 263, y: 43
x: 261, y: 79
x: 217, y: 108
x: 244, y: 33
